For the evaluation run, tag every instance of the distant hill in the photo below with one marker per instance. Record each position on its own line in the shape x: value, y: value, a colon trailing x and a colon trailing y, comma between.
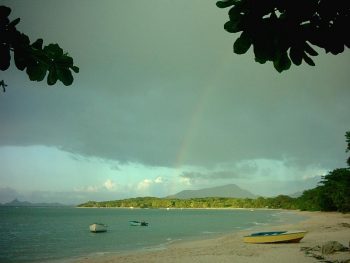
x: 16, y: 202
x: 296, y: 195
x: 230, y: 190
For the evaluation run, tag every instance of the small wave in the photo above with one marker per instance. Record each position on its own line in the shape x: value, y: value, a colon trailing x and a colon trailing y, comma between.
x: 209, y: 232
x: 277, y: 214
x: 170, y: 240
x: 259, y: 224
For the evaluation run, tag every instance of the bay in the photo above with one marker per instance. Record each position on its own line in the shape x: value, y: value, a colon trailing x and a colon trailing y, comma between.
x: 46, y: 234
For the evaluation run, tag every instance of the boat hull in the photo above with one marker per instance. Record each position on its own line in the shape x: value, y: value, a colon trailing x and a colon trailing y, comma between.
x: 138, y: 223
x: 96, y: 228
x: 275, y: 237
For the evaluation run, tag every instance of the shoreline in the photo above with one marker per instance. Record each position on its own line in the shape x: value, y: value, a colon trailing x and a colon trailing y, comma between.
x: 321, y: 227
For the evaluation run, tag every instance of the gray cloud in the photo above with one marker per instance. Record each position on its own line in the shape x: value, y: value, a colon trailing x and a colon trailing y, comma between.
x: 290, y: 187
x: 211, y: 175
x: 7, y: 194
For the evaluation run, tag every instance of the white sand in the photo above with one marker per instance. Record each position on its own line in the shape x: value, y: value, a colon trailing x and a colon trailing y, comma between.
x: 321, y: 227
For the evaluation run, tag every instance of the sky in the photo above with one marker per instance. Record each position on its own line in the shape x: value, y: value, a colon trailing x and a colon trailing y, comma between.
x: 161, y: 104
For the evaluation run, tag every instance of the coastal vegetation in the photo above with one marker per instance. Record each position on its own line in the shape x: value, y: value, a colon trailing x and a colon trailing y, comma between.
x: 331, y: 194
x: 281, y: 201
x: 317, y: 199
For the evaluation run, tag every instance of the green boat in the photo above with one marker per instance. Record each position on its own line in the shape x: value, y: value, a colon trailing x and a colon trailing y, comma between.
x: 138, y: 223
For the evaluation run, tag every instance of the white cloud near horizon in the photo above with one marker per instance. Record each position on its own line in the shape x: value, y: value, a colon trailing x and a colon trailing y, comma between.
x: 110, y: 185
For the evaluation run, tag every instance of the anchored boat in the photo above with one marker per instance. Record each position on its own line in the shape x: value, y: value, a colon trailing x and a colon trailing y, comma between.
x: 138, y: 223
x: 275, y: 237
x: 98, y: 227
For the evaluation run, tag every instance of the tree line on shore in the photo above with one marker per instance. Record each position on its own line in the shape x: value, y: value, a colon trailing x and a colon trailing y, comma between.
x: 331, y: 194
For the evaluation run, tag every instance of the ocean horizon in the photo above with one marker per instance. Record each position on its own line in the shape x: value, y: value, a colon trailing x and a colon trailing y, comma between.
x: 48, y: 234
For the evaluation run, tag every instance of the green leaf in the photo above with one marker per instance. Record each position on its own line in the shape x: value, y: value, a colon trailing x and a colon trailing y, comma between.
x: 52, y: 77
x: 5, y: 57
x: 310, y: 50
x: 233, y: 26
x: 14, y: 22
x: 65, y: 76
x: 296, y: 55
x: 21, y: 58
x: 65, y: 61
x: 242, y: 44
x: 75, y: 69
x: 336, y: 48
x: 262, y: 54
x: 22, y: 40
x: 308, y: 60
x: 235, y: 13
x: 38, y: 44
x: 4, y: 11
x: 53, y: 50
x: 282, y: 62
x: 225, y: 3
x: 36, y: 72
x: 260, y: 60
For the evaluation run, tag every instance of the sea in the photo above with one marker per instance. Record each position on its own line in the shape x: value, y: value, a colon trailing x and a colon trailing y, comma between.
x: 61, y: 234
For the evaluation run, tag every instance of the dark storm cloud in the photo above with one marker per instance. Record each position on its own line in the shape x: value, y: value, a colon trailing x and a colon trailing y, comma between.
x: 162, y: 90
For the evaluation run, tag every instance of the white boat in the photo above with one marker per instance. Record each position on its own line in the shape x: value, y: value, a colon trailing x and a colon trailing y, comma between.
x: 98, y: 227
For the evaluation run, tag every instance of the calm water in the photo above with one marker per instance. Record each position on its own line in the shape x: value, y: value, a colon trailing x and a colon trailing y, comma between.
x: 29, y: 234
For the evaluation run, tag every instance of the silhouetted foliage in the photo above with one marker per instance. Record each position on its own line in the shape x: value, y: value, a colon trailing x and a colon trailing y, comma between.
x: 282, y: 31
x: 34, y: 58
x: 347, y: 136
x: 310, y: 200
x: 335, y: 194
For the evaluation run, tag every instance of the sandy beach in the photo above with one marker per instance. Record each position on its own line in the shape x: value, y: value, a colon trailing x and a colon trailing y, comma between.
x: 321, y: 227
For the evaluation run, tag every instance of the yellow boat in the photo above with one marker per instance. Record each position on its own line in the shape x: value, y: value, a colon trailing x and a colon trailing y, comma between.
x: 275, y: 237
